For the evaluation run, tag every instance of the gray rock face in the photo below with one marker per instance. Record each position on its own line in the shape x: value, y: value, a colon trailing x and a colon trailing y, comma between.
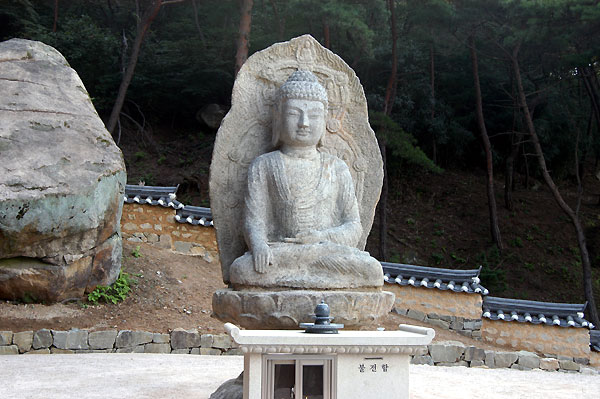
x: 505, y: 359
x: 42, y: 339
x: 181, y: 339
x: 72, y: 339
x: 23, y: 340
x: 127, y: 338
x: 5, y: 338
x: 102, y: 339
x: 446, y: 352
x: 62, y: 180
x: 528, y: 360
x: 230, y: 389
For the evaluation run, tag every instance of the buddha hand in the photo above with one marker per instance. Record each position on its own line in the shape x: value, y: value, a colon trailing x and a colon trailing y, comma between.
x: 262, y: 256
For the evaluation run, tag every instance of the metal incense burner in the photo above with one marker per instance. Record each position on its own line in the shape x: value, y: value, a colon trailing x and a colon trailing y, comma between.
x: 322, y: 324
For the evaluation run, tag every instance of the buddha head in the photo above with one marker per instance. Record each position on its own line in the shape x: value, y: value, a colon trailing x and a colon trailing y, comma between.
x: 301, y: 108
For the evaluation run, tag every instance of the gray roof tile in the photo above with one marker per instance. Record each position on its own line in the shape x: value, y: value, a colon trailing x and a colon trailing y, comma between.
x: 523, y: 311
x: 431, y: 277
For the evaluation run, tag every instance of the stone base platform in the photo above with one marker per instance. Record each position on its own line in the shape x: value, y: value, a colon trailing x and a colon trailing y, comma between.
x: 285, y: 309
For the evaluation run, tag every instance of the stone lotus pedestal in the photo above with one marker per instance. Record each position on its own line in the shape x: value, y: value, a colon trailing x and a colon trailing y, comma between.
x: 350, y: 364
x: 284, y: 309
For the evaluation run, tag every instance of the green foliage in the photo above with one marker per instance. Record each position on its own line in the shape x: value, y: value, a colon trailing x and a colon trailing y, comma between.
x: 136, y: 252
x: 140, y: 155
x: 516, y: 242
x: 114, y: 293
x: 402, y: 144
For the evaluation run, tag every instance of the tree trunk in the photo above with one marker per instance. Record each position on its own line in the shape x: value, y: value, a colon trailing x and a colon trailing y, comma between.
x: 390, y: 93
x: 432, y: 84
x: 581, y: 240
x: 280, y: 21
x: 494, y: 229
x: 241, y: 54
x: 389, y: 90
x: 326, y: 38
x: 383, y: 206
x: 142, y: 28
x: 55, y: 16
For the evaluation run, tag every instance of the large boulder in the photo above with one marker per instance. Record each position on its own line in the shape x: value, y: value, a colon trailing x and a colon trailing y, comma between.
x: 62, y: 180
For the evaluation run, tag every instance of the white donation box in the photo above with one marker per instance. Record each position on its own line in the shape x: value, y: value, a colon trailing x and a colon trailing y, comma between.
x: 285, y: 364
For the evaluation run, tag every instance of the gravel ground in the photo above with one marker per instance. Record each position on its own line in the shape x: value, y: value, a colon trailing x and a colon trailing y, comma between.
x: 146, y: 376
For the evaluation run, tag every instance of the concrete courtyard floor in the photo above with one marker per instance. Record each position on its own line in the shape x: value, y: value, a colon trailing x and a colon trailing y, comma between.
x: 148, y: 376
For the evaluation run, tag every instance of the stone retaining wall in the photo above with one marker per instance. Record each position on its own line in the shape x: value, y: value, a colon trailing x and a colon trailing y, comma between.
x: 453, y: 353
x: 157, y: 225
x: 450, y: 310
x: 179, y: 341
x: 539, y: 338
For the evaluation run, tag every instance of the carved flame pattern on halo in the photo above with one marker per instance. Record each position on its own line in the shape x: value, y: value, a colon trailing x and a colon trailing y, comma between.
x: 246, y: 133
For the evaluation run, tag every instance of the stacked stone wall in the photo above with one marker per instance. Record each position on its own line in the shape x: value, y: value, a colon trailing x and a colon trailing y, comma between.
x: 460, y: 312
x: 539, y: 338
x: 179, y: 341
x: 453, y: 353
x: 157, y: 225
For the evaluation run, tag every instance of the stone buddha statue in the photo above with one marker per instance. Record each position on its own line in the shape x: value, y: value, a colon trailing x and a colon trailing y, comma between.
x: 301, y: 217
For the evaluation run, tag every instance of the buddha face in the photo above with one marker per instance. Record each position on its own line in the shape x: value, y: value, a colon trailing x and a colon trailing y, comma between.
x: 302, y: 123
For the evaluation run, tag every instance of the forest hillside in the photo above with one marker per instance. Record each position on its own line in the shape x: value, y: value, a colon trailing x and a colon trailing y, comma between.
x: 487, y: 113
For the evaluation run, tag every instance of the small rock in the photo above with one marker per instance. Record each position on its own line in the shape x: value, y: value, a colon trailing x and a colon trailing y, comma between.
x: 505, y: 359
x: 62, y: 351
x: 131, y: 349
x: 128, y: 338
x: 446, y: 352
x: 157, y: 348
x: 439, y: 323
x: 584, y: 361
x: 472, y: 353
x: 222, y: 341
x: 185, y: 351
x: 425, y: 359
x: 9, y: 350
x: 102, y: 339
x: 43, y: 351
x: 5, y: 338
x: 182, y: 339
x: 528, y: 359
x: 158, y: 338
x: 416, y: 314
x: 23, y: 340
x: 400, y: 311
x: 549, y: 364
x: 568, y: 365
x: 42, y: 339
x: 206, y: 340
x: 477, y: 363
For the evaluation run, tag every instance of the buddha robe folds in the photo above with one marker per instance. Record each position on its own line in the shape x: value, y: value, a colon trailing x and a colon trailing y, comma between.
x: 276, y: 210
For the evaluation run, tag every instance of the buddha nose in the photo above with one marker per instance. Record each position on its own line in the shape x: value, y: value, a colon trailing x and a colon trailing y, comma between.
x: 303, y: 121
